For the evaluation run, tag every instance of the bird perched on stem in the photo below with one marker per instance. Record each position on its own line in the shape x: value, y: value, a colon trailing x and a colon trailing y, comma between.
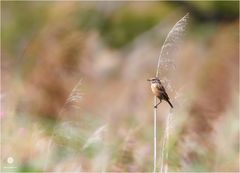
x: 159, y: 91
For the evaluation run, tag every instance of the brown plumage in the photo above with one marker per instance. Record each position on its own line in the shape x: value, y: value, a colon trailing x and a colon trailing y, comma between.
x: 159, y: 91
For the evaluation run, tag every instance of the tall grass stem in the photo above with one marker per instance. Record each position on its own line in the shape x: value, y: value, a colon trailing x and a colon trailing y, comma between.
x: 155, y: 135
x: 167, y: 63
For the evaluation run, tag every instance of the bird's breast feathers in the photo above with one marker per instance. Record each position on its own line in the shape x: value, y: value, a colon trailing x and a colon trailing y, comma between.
x: 155, y: 89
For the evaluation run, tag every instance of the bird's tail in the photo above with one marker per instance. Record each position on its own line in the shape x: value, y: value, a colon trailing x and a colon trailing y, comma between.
x: 170, y: 103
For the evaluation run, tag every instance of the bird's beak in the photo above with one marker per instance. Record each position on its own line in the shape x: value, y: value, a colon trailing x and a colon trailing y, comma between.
x: 148, y: 79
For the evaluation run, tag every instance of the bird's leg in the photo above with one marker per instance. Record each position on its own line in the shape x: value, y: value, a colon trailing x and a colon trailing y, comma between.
x: 157, y: 104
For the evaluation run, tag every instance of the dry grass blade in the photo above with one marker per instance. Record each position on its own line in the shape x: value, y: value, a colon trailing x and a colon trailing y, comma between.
x: 164, y: 147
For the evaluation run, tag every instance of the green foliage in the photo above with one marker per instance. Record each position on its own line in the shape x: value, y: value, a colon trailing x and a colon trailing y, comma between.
x: 28, y: 168
x: 21, y: 20
x: 126, y: 27
x: 227, y: 8
x: 121, y: 27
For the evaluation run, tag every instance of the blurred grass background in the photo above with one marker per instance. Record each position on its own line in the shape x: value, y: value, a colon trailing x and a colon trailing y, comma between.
x: 112, y: 47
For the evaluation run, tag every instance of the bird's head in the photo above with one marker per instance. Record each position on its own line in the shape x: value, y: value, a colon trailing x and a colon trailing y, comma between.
x: 154, y: 80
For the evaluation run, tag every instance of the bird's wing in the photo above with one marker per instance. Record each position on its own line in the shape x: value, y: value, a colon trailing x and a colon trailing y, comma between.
x: 163, y: 91
x: 160, y: 87
x: 165, y: 95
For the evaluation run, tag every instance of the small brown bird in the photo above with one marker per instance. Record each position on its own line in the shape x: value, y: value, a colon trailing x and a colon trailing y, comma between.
x: 159, y: 91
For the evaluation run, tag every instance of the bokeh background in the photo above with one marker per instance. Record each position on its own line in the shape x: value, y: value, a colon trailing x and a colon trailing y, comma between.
x: 74, y: 95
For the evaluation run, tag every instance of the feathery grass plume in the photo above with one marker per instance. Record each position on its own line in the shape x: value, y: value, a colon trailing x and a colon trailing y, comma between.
x: 75, y: 96
x: 96, y: 137
x: 73, y: 101
x: 166, y: 62
x: 166, y: 59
